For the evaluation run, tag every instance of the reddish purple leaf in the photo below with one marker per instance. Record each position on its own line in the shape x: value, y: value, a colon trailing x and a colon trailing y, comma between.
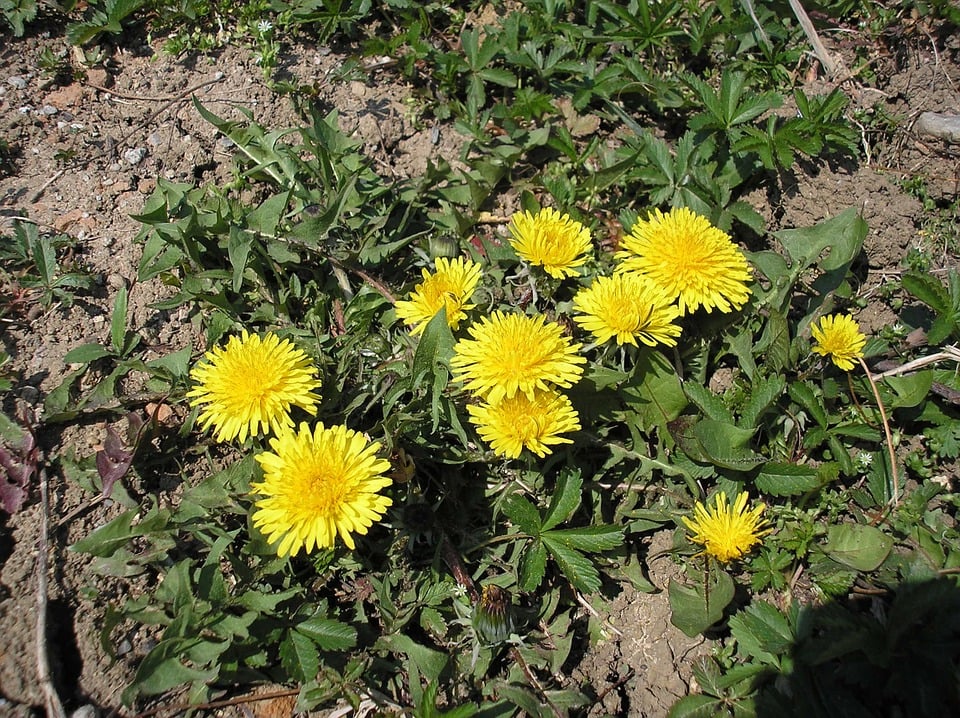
x: 113, y: 461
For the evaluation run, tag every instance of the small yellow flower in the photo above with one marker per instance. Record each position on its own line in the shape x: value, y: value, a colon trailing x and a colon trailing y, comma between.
x: 519, y: 422
x: 689, y: 259
x: 838, y: 336
x: 451, y: 286
x: 627, y: 307
x: 513, y: 352
x: 552, y: 240
x: 319, y: 485
x: 727, y: 533
x: 251, y: 384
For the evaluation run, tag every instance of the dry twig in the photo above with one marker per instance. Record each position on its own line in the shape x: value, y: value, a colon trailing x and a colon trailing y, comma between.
x: 50, y: 698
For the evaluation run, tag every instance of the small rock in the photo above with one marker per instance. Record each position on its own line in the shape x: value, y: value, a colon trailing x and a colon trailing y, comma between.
x: 116, y: 281
x: 135, y: 155
x: 154, y: 140
x: 49, y: 110
x: 87, y: 711
x: 146, y: 186
x: 17, y: 82
x: 99, y: 76
x: 358, y: 89
x: 124, y: 648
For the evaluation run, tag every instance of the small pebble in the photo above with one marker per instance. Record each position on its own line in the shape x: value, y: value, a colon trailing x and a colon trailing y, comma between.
x: 49, y: 110
x: 87, y: 711
x: 135, y: 155
x: 124, y: 648
x: 17, y: 82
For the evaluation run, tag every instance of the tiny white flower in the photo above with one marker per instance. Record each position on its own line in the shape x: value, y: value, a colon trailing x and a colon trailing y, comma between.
x: 264, y: 26
x: 865, y: 460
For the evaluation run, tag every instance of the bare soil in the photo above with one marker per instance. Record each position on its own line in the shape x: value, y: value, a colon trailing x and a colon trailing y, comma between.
x: 89, y: 152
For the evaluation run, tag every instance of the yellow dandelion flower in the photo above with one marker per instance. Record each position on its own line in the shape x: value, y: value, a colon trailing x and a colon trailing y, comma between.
x: 552, y: 240
x: 318, y: 485
x: 627, y: 307
x: 451, y: 286
x: 726, y: 532
x: 514, y: 352
x: 688, y: 259
x: 520, y: 421
x: 250, y: 385
x: 838, y: 336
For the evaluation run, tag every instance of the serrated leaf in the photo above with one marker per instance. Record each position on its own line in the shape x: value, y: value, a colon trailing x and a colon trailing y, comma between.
x: 565, y: 499
x: 162, y: 668
x: 328, y: 633
x: 524, y: 514
x: 709, y: 403
x: 434, y: 348
x: 590, y: 539
x: 696, y: 706
x: 577, y: 568
x: 763, y: 632
x: 780, y: 479
x: 533, y: 565
x: 430, y: 662
x: 803, y: 394
x: 764, y: 392
x: 299, y: 656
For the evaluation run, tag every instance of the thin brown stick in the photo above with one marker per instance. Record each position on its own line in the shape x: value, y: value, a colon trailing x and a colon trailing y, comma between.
x: 808, y: 29
x: 894, y: 475
x: 50, y: 698
x: 236, y: 701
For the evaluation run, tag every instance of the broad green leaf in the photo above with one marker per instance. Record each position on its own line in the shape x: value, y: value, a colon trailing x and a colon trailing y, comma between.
x: 524, y: 514
x: 726, y: 445
x: 299, y: 656
x: 591, y: 539
x: 86, y: 353
x: 577, y: 568
x: 565, y: 499
x: 238, y: 249
x: 909, y: 390
x: 430, y: 662
x: 434, y: 348
x: 264, y: 218
x: 654, y: 393
x: 695, y: 609
x: 780, y: 479
x: 929, y: 290
x: 177, y: 363
x: 162, y: 669
x: 859, y: 546
x: 328, y: 633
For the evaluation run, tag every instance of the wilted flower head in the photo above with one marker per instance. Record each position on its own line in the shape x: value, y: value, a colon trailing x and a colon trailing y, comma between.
x: 518, y: 422
x: 838, y: 336
x: 318, y: 485
x: 493, y: 615
x: 552, y: 240
x: 513, y: 352
x: 688, y: 259
x: 251, y: 384
x: 627, y: 307
x: 726, y: 532
x: 450, y: 286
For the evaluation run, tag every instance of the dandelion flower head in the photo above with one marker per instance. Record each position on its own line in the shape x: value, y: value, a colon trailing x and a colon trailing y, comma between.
x: 251, y: 384
x: 450, y: 287
x: 513, y: 352
x: 687, y: 258
x: 838, y: 336
x: 627, y: 307
x: 518, y: 422
x: 552, y: 240
x: 318, y: 485
x: 726, y: 532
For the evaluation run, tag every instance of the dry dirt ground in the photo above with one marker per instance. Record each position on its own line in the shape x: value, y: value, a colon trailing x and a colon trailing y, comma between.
x: 89, y: 152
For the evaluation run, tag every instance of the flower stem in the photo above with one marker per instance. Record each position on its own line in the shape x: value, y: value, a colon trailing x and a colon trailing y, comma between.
x: 894, y: 476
